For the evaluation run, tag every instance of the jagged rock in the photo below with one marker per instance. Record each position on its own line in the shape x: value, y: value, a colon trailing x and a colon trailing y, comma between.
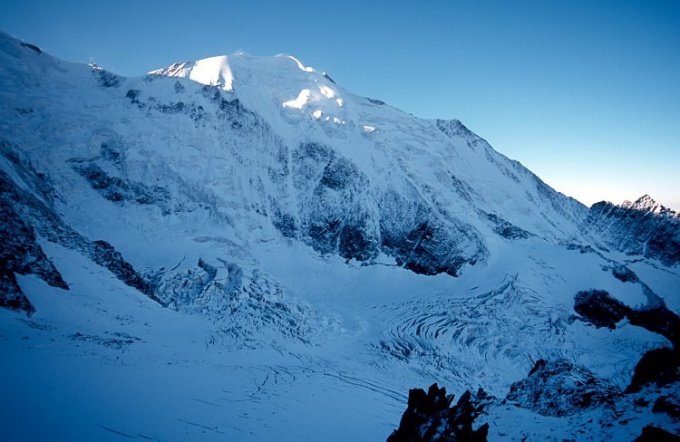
x: 26, y: 214
x: 559, y: 388
x: 11, y: 296
x: 430, y: 417
x: 599, y: 308
x: 107, y: 256
x: 507, y: 229
x: 20, y: 253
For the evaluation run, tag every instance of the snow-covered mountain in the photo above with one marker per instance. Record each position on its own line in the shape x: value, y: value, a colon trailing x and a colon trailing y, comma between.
x: 252, y: 252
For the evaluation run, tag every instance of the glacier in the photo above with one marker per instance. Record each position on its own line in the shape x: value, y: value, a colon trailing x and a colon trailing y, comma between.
x: 237, y: 248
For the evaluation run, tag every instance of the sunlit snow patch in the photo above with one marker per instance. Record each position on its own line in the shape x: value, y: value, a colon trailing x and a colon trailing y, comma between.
x: 300, y: 65
x: 301, y: 100
x: 214, y: 71
x: 327, y: 92
x: 330, y: 94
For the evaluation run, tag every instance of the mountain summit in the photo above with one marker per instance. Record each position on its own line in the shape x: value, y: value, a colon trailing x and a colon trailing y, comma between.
x: 255, y: 253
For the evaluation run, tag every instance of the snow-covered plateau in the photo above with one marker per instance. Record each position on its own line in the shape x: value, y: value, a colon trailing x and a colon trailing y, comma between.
x: 239, y: 249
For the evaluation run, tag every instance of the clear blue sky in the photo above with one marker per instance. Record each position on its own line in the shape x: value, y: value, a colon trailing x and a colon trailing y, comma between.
x: 584, y: 93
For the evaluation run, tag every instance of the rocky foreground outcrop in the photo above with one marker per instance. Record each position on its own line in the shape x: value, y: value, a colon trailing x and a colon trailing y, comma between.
x: 430, y: 416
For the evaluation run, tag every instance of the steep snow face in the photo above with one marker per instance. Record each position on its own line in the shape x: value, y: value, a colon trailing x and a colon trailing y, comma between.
x: 278, y: 145
x: 441, y: 164
x: 242, y: 230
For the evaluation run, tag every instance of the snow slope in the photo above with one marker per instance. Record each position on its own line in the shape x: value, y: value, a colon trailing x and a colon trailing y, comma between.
x: 306, y: 257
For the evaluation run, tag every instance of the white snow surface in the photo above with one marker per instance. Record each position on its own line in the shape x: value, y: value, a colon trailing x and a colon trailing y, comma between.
x: 284, y: 343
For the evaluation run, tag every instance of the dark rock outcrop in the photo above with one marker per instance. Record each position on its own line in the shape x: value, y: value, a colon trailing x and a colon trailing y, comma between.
x: 20, y: 253
x: 624, y: 274
x: 430, y: 416
x: 658, y: 367
x: 506, y: 229
x: 559, y: 388
x: 32, y: 47
x: 598, y: 308
x: 119, y: 190
x: 654, y: 434
x: 669, y: 405
x: 659, y: 320
x: 107, y: 256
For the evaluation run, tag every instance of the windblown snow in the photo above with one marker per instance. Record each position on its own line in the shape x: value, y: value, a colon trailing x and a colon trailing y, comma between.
x: 307, y: 256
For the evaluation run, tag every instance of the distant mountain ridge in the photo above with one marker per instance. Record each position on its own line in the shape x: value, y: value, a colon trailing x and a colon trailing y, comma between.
x: 644, y: 228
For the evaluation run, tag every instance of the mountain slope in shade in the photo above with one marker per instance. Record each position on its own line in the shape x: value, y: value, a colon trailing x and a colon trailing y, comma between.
x: 254, y: 253
x: 643, y: 227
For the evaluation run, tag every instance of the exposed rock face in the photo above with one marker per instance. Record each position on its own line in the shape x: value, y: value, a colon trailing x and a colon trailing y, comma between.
x: 118, y: 190
x: 26, y: 211
x: 653, y: 434
x: 332, y: 193
x: 340, y: 212
x: 507, y: 229
x: 669, y: 405
x: 658, y: 319
x: 430, y: 417
x: 20, y: 253
x: 659, y: 367
x: 643, y: 228
x: 599, y: 308
x: 559, y: 388
x: 107, y: 256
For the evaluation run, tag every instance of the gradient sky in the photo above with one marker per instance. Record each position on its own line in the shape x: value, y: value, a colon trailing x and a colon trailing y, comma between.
x: 586, y: 94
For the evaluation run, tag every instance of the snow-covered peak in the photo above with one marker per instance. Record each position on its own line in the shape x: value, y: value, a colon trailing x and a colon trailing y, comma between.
x: 648, y: 204
x: 281, y: 84
x: 213, y: 71
x: 217, y: 71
